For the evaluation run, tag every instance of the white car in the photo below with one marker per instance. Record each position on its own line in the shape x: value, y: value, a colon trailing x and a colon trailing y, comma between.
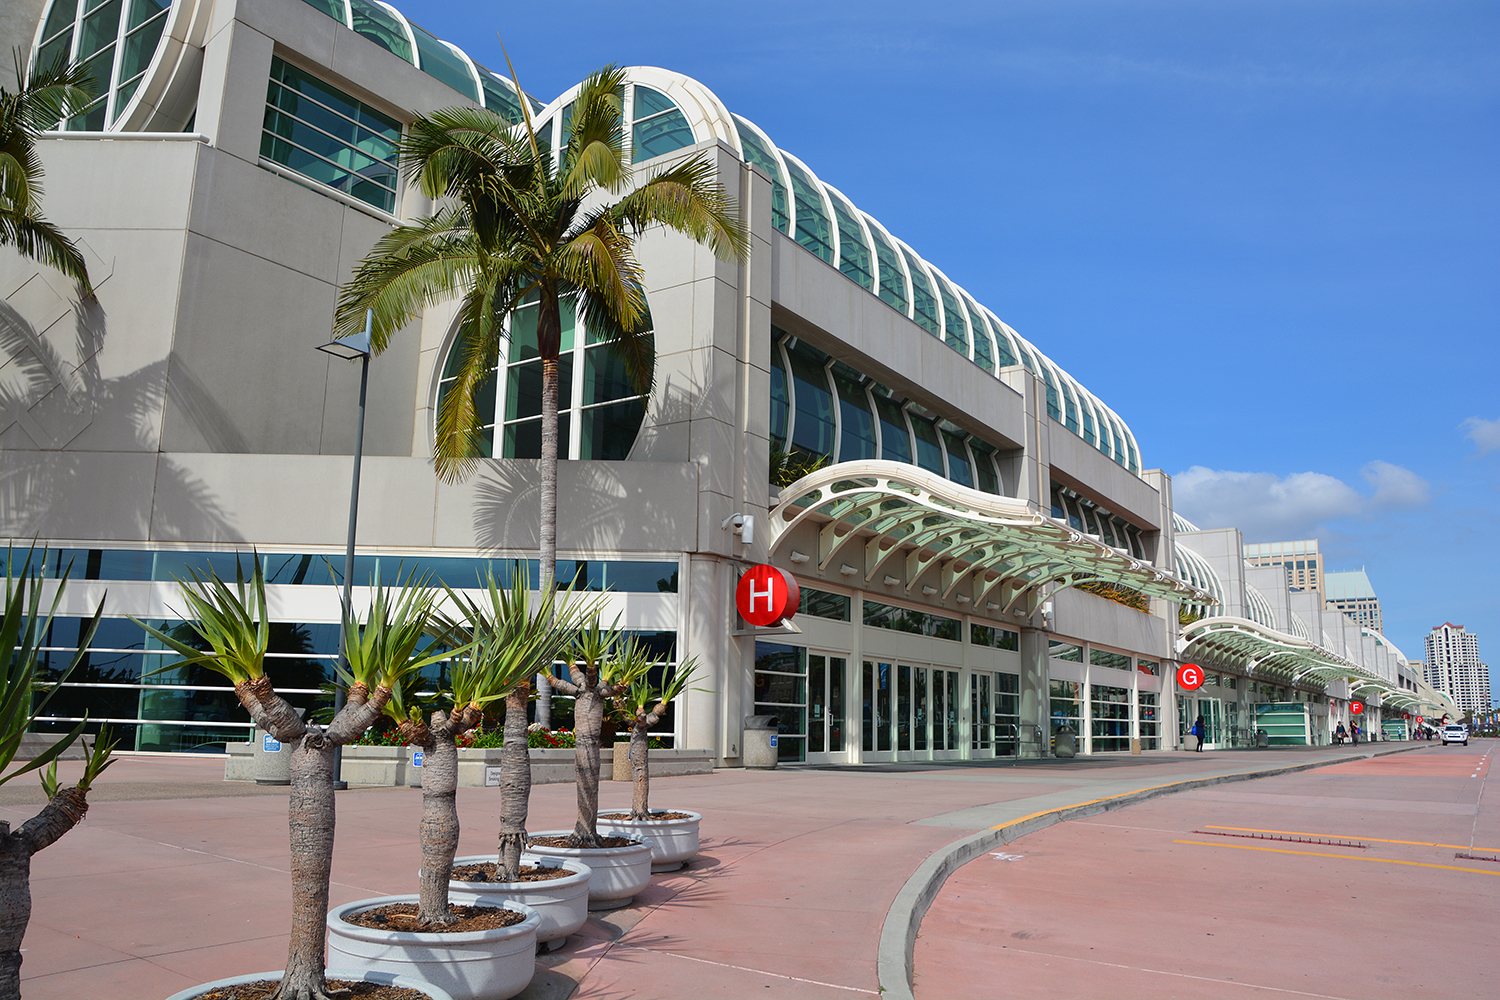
x: 1456, y: 734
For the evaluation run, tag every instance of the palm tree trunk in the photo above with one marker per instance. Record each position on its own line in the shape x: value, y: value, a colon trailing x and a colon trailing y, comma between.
x: 548, y: 338
x: 515, y: 785
x: 16, y: 850
x: 588, y: 720
x: 640, y: 772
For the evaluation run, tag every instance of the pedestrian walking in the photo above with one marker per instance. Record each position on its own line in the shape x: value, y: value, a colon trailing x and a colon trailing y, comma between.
x: 1198, y: 730
x: 1338, y: 735
x: 1354, y: 733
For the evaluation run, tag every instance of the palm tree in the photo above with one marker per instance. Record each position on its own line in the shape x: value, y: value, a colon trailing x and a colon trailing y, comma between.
x: 234, y: 623
x: 517, y: 226
x: 51, y: 94
x: 23, y: 628
x: 644, y: 704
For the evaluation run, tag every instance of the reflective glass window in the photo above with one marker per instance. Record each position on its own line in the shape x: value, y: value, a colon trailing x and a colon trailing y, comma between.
x: 380, y: 26
x: 1119, y: 434
x: 328, y: 136
x: 929, y: 452
x: 1052, y: 408
x: 812, y: 423
x: 500, y: 98
x: 984, y: 468
x: 659, y: 126
x: 895, y: 439
x: 959, y: 470
x: 1004, y: 346
x: 857, y: 431
x: 813, y: 231
x: 924, y: 305
x: 984, y: 344
x: 440, y: 62
x: 780, y: 400
x: 854, y: 256
x: 57, y: 33
x: 955, y: 334
x: 1072, y: 405
x: 1133, y: 461
x: 1026, y: 359
x: 333, y: 8
x: 892, y: 281
x: 1106, y: 442
x: 1088, y: 423
x: 758, y: 155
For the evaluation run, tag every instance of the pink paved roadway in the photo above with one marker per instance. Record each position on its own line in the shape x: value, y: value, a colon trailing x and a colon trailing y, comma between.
x: 177, y: 877
x: 1158, y: 900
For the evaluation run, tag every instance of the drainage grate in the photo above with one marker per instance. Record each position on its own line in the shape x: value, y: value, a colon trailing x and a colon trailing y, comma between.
x: 1321, y: 841
x: 1477, y: 857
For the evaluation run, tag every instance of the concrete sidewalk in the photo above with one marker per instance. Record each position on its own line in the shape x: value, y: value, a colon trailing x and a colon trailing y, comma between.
x: 811, y: 881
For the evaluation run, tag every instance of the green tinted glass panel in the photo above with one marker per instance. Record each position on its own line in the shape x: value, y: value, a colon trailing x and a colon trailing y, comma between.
x: 1006, y: 357
x: 442, y: 63
x: 62, y: 15
x: 857, y: 436
x: 955, y: 335
x: 523, y: 334
x: 756, y: 154
x: 142, y: 11
x: 983, y: 353
x: 55, y: 51
x: 649, y: 102
x: 929, y: 452
x: 895, y: 439
x: 333, y: 8
x: 892, y: 283
x: 661, y: 134
x: 1026, y: 360
x: 854, y: 255
x: 958, y: 460
x: 500, y: 99
x: 924, y: 306
x: 812, y: 427
x: 983, y: 468
x: 98, y: 69
x: 1088, y: 425
x: 604, y: 376
x: 140, y: 46
x: 780, y: 401
x: 381, y: 27
x: 100, y: 28
x: 123, y: 93
x: 1053, y: 410
x: 1072, y: 408
x: 813, y: 231
x: 523, y: 388
x: 609, y: 432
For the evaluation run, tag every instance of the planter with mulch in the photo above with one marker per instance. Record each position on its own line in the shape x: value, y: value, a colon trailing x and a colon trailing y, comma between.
x: 360, y: 986
x: 674, y: 832
x: 619, y: 869
x: 493, y: 963
x: 556, y: 888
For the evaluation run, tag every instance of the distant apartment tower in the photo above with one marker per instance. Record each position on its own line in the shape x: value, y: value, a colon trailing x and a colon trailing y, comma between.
x: 1301, y: 559
x: 1352, y: 594
x: 1453, y: 667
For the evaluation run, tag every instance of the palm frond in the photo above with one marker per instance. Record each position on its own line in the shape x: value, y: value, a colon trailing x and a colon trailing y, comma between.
x: 594, y: 153
x: 686, y: 197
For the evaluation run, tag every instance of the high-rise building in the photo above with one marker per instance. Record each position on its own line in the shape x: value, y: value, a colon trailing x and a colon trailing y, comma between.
x: 1301, y: 559
x: 1453, y: 667
x: 1352, y: 594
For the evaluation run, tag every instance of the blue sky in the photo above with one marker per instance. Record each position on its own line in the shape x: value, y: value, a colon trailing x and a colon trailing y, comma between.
x: 1264, y: 232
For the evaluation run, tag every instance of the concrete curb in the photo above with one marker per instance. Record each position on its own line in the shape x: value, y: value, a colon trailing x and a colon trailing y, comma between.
x: 898, y: 935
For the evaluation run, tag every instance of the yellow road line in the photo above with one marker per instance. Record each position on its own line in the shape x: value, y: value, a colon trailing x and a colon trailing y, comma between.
x: 1107, y: 798
x: 1341, y: 857
x: 1345, y: 836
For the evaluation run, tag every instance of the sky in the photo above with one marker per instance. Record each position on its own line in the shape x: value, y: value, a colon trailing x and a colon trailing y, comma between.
x: 1265, y: 232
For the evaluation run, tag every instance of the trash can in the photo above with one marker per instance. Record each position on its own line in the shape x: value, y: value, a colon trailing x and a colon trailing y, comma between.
x: 1260, y: 739
x: 273, y: 759
x: 1064, y: 742
x: 758, y: 747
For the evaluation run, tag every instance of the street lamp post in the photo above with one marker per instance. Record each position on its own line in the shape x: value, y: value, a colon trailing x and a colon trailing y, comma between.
x: 352, y: 348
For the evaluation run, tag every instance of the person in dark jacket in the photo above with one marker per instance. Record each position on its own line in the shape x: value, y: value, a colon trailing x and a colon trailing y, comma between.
x: 1199, y: 729
x: 1338, y: 735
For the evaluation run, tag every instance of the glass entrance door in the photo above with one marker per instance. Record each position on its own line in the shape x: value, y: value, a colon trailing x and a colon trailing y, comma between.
x: 981, y: 714
x: 910, y: 712
x: 825, y: 707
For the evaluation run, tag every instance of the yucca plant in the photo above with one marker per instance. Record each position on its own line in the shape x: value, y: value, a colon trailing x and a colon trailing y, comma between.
x: 383, y: 651
x: 25, y: 624
x: 513, y: 637
x: 643, y: 705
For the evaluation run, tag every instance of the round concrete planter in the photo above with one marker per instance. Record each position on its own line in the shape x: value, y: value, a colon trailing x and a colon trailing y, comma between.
x: 561, y: 903
x: 475, y: 965
x: 618, y: 873
x: 352, y: 975
x: 676, y: 840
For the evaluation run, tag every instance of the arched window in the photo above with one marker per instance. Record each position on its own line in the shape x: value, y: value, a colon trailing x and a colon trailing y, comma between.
x: 114, y: 41
x: 660, y: 126
x: 599, y: 410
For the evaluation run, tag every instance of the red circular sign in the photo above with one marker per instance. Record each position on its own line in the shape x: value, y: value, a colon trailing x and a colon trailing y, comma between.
x: 1190, y: 676
x: 1356, y: 707
x: 1406, y: 715
x: 766, y: 595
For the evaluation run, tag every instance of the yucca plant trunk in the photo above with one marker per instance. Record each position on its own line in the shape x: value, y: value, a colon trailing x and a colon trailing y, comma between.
x: 310, y: 818
x: 640, y: 771
x: 588, y: 721
x: 57, y: 817
x: 440, y: 828
x: 515, y: 784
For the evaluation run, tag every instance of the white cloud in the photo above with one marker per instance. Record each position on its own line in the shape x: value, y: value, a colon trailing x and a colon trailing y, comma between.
x: 1267, y: 507
x: 1395, y: 487
x: 1484, y: 433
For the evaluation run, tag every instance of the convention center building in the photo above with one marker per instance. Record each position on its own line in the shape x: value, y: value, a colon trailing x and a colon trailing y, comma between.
x: 988, y: 564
